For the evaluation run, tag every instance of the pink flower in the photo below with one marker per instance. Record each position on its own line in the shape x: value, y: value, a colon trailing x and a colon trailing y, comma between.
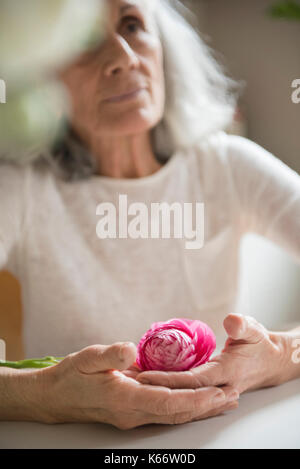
x: 175, y: 345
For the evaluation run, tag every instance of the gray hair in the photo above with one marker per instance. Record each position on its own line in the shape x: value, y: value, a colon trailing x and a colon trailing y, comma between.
x: 200, y: 98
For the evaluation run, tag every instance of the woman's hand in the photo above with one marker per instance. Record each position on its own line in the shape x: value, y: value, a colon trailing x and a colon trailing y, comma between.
x: 252, y: 358
x: 89, y: 386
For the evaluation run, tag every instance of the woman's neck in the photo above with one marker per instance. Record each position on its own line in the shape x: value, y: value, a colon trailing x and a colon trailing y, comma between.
x: 124, y: 157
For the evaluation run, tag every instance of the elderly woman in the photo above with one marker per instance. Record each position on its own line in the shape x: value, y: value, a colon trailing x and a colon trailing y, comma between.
x: 149, y: 109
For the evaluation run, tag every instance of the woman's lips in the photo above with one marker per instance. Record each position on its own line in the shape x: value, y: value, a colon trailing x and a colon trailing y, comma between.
x: 125, y: 97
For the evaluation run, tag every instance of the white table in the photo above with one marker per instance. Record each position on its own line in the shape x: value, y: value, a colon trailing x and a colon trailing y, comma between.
x: 268, y: 418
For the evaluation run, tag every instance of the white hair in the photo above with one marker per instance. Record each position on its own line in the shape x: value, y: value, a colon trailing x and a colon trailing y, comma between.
x: 200, y: 98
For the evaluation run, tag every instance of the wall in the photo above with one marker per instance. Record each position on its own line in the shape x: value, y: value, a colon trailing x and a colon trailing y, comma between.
x: 266, y: 53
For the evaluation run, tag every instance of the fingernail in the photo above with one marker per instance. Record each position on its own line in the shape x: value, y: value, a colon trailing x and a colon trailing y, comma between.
x: 233, y: 396
x: 121, y: 351
x: 231, y: 407
x: 123, y: 348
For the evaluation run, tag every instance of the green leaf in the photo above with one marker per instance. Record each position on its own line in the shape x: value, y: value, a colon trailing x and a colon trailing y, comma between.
x: 289, y: 10
x: 32, y: 363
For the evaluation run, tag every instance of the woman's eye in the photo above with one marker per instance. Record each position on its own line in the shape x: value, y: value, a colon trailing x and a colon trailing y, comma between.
x: 132, y: 23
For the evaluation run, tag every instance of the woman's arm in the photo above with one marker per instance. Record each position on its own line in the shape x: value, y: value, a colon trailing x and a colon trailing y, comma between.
x: 19, y: 396
x: 267, y: 192
x: 89, y: 386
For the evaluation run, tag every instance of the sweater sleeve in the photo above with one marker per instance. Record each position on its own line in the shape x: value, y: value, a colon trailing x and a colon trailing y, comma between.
x: 12, y: 204
x: 268, y: 193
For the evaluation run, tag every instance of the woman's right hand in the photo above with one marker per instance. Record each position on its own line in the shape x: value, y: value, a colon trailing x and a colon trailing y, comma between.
x: 89, y: 386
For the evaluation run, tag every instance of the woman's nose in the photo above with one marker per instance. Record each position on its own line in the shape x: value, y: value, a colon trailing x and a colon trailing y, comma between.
x: 122, y: 57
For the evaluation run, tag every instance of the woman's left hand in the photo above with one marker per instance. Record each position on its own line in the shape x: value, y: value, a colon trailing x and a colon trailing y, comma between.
x: 252, y: 358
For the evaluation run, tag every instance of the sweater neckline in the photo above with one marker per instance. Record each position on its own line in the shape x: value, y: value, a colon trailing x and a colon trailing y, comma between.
x: 139, y: 181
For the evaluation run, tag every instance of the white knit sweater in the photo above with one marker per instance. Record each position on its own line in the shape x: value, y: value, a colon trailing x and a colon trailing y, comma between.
x: 79, y: 290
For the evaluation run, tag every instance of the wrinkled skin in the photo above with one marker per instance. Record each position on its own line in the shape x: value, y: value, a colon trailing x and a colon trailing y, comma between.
x: 96, y: 385
x: 118, y: 134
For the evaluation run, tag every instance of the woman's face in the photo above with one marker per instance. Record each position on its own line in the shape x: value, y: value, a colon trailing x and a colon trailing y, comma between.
x: 129, y: 59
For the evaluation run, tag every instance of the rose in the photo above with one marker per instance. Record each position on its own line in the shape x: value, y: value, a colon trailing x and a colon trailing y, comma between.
x: 175, y: 345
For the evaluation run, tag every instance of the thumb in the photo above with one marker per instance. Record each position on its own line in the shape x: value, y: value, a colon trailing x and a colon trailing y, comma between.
x: 244, y: 328
x: 97, y: 358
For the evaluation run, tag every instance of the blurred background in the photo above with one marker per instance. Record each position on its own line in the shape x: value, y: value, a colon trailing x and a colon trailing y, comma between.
x: 263, y: 51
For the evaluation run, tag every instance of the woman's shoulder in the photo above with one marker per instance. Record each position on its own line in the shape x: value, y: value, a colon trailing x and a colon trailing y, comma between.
x: 209, y: 154
x: 246, y: 161
x: 222, y: 142
x: 236, y: 152
x: 220, y: 157
x: 12, y: 177
x: 12, y: 172
x: 11, y: 169
x: 19, y: 181
x: 248, y: 158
